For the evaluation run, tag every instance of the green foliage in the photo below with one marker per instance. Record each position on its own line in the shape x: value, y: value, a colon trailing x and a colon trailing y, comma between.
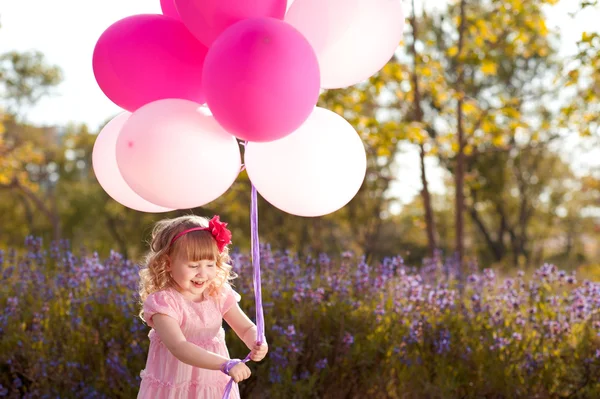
x: 25, y: 78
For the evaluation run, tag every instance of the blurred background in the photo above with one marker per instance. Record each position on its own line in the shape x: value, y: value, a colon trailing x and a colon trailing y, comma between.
x: 483, y: 143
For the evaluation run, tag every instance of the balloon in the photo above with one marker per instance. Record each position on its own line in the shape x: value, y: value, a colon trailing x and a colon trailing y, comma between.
x: 173, y: 154
x: 312, y: 172
x: 144, y: 58
x: 207, y: 19
x: 168, y: 8
x: 353, y: 39
x: 261, y: 79
x: 104, y: 162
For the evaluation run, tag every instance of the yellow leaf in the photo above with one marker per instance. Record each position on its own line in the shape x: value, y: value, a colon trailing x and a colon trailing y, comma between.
x: 415, y: 133
x: 573, y: 77
x: 489, y: 67
x: 543, y: 29
x: 498, y: 141
x: 469, y: 107
x: 512, y: 113
x: 452, y: 51
x: 382, y: 152
x: 338, y: 109
x: 426, y: 71
x: 514, y: 125
x: 442, y: 97
x: 388, y: 69
x: 587, y: 132
x: 487, y: 126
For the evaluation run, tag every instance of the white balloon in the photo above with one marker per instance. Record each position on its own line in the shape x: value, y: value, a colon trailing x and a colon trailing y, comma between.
x: 313, y: 171
x: 353, y: 39
x: 104, y: 163
x: 173, y: 154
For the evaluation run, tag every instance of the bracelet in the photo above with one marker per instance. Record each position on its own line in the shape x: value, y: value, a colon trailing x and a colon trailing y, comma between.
x: 228, y: 365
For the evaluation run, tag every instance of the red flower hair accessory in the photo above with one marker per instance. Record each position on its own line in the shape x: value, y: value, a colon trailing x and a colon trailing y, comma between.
x: 218, y: 230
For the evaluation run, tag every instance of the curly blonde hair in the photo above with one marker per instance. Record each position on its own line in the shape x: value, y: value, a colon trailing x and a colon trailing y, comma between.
x: 196, y: 245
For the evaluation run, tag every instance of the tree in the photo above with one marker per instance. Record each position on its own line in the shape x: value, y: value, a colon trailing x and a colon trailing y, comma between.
x: 418, y: 117
x: 25, y: 78
x: 497, y: 72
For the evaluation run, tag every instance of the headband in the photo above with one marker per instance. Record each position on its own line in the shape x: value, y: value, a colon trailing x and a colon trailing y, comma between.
x: 218, y: 230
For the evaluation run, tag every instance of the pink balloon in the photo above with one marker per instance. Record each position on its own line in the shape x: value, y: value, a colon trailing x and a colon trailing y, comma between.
x: 174, y: 154
x: 261, y: 79
x: 207, y: 19
x: 353, y: 39
x: 312, y: 172
x: 168, y: 8
x: 104, y: 162
x: 144, y: 58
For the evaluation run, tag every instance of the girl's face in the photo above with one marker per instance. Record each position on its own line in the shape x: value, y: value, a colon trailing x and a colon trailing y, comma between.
x: 192, y: 277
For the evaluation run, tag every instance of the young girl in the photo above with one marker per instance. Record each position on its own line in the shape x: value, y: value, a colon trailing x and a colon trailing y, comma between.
x: 186, y: 295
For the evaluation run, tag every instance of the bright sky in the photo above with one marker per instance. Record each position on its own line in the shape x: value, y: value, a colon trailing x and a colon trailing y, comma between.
x: 66, y: 32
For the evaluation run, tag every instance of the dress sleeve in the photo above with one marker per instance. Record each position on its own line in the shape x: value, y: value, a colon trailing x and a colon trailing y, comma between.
x: 230, y: 298
x: 161, y: 302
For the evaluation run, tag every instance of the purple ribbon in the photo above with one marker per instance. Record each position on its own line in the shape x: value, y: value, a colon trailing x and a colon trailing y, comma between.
x: 226, y: 368
x: 260, y: 320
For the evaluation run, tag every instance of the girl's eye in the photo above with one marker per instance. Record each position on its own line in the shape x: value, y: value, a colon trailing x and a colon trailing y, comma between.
x: 194, y: 266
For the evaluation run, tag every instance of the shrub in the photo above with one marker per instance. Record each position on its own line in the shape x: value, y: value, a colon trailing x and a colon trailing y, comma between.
x: 337, y: 328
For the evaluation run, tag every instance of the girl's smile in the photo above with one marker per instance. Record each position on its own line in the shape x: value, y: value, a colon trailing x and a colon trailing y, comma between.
x: 193, y: 277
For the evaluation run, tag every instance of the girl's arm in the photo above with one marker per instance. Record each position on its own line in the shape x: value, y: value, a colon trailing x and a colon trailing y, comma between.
x: 246, y: 331
x: 170, y: 334
x: 242, y: 325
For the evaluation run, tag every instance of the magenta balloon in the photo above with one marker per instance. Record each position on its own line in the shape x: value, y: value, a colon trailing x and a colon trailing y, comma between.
x: 312, y: 172
x: 261, y: 79
x: 168, y: 8
x: 207, y: 19
x: 104, y: 162
x: 144, y: 58
x: 174, y: 154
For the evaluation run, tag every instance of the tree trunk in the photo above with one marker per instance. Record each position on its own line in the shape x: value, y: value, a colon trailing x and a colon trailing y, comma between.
x: 52, y: 216
x: 418, y: 116
x: 495, y: 246
x: 569, y: 241
x: 28, y: 213
x: 460, y: 158
x: 55, y: 214
x: 429, y: 220
x: 111, y: 223
x: 373, y: 234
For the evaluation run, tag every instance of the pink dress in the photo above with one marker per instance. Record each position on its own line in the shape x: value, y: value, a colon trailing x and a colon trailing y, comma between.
x: 166, y: 377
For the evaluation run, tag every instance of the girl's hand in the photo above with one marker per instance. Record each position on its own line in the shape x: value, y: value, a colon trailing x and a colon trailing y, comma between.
x: 240, y: 372
x: 258, y: 353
